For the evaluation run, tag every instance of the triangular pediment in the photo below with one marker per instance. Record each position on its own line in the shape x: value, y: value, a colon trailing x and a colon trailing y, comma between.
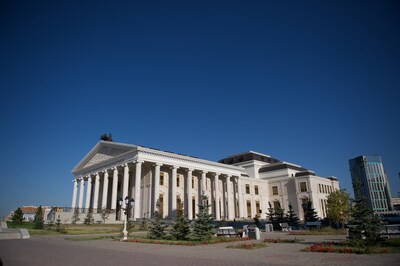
x: 103, y: 151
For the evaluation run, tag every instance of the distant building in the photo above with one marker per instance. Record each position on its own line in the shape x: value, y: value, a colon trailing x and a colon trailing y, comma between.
x: 238, y: 187
x: 396, y: 203
x: 374, y: 186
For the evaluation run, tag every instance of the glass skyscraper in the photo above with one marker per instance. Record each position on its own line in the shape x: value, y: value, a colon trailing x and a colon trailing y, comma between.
x: 368, y: 172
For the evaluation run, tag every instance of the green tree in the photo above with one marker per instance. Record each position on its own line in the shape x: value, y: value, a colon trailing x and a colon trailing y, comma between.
x: 338, y: 207
x: 156, y: 227
x: 38, y: 221
x: 181, y: 229
x: 106, y: 137
x: 89, y: 217
x: 271, y: 213
x: 75, y: 216
x: 364, y: 222
x: 310, y: 215
x: 280, y: 215
x: 203, y: 228
x: 291, y: 217
x: 17, y: 217
x: 104, y: 215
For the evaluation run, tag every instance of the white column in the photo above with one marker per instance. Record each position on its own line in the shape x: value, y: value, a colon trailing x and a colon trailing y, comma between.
x: 189, y: 194
x: 75, y: 189
x: 96, y: 191
x: 81, y: 187
x: 114, y: 189
x: 126, y: 182
x: 156, y: 184
x: 88, y: 192
x: 173, y: 190
x: 229, y: 198
x: 216, y: 197
x: 203, y: 183
x: 240, y: 197
x: 138, y: 176
x: 105, y: 190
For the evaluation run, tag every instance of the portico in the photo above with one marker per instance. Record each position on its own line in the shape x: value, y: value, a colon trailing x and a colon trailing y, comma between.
x: 114, y: 170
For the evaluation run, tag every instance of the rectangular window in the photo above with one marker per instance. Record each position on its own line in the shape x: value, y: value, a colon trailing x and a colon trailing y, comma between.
x: 161, y: 204
x: 247, y: 189
x: 256, y: 190
x: 320, y: 190
x: 192, y: 182
x: 162, y: 179
x: 274, y: 190
x: 177, y: 181
x: 303, y: 187
x: 257, y: 208
x: 277, y: 205
x: 248, y: 209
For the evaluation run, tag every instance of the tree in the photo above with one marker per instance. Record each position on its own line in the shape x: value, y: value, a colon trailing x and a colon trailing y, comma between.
x: 291, y: 217
x: 104, y: 215
x: 38, y: 221
x: 17, y: 217
x: 89, y: 217
x: 338, y: 207
x: 156, y: 227
x: 203, y: 228
x: 364, y: 222
x: 181, y: 229
x: 106, y: 137
x: 271, y: 213
x: 310, y: 215
x: 75, y: 216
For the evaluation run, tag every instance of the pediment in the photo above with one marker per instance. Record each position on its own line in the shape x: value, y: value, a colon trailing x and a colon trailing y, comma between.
x: 102, y: 152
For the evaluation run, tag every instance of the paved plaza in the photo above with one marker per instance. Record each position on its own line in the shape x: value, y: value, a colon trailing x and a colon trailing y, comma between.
x: 54, y: 250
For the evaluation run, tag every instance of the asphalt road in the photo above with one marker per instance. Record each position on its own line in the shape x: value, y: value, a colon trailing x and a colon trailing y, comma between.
x: 51, y: 250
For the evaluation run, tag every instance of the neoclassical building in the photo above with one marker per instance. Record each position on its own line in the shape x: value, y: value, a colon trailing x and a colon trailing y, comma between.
x: 239, y: 186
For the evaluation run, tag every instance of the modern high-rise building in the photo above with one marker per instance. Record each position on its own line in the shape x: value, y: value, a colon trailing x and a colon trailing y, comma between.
x: 369, y: 173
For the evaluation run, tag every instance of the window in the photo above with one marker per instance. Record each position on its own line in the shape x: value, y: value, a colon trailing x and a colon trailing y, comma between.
x: 274, y: 190
x: 258, y: 211
x: 161, y: 179
x: 277, y: 205
x: 248, y: 209
x: 192, y: 182
x: 248, y: 189
x: 161, y: 204
x: 256, y: 190
x: 303, y: 187
x: 320, y: 190
x: 177, y: 181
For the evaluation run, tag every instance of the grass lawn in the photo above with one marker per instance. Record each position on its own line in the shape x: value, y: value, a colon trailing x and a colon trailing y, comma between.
x: 214, y: 240
x: 70, y: 229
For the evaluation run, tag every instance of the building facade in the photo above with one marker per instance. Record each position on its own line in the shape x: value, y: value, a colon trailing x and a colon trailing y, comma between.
x: 237, y: 187
x: 370, y: 182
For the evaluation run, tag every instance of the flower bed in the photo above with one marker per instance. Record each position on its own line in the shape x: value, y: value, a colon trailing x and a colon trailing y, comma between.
x: 249, y: 246
x: 340, y: 248
x: 278, y: 240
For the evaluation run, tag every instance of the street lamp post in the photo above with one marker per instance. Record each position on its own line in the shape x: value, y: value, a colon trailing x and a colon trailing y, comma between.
x: 125, y: 204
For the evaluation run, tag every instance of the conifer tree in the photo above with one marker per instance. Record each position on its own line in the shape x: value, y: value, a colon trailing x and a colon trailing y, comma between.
x: 18, y: 216
x: 310, y: 215
x: 38, y: 221
x: 156, y: 227
x: 366, y: 222
x: 203, y: 227
x: 291, y: 217
x: 271, y: 213
x: 181, y: 228
x: 75, y: 216
x: 89, y: 217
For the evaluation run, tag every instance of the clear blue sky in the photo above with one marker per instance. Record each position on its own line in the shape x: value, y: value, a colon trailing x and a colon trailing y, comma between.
x: 310, y: 82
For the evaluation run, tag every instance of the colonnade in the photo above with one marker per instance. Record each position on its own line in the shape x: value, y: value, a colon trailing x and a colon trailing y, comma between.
x: 229, y: 200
